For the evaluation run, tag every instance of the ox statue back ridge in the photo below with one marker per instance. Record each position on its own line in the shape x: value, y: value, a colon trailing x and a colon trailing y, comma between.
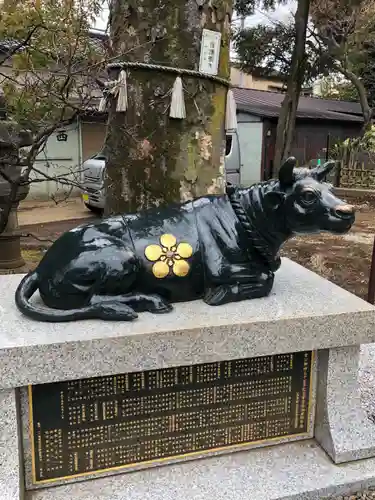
x: 221, y: 249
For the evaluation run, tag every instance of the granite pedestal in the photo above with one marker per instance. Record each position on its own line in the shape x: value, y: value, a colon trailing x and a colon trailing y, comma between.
x: 303, y: 313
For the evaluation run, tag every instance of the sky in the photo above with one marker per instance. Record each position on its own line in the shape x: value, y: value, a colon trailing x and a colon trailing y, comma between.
x: 282, y: 13
x: 101, y: 21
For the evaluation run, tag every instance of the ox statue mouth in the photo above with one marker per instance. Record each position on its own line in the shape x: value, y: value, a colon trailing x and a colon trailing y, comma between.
x: 341, y: 226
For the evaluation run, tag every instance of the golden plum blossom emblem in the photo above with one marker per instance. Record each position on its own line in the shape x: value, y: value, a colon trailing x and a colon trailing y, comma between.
x: 169, y: 256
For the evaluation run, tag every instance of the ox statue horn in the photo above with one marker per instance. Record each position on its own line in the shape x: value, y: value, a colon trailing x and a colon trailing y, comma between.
x: 321, y: 172
x: 286, y: 172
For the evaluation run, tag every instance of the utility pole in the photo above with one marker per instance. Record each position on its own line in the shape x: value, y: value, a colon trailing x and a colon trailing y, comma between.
x: 241, y: 72
x: 155, y: 158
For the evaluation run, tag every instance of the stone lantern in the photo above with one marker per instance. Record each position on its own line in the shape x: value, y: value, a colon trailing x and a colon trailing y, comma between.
x: 12, y: 138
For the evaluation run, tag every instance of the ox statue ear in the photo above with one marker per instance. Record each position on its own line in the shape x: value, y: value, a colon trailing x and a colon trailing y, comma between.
x: 286, y: 176
x: 321, y: 172
x: 273, y: 200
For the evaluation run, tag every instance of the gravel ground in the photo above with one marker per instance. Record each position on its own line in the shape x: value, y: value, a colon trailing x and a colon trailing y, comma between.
x: 367, y: 494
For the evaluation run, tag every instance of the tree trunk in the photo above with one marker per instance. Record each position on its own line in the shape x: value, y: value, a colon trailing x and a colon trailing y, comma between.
x: 288, y: 111
x: 155, y: 159
x: 367, y: 111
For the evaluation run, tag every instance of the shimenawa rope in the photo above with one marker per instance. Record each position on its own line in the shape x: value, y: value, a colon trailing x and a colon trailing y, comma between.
x: 118, y: 89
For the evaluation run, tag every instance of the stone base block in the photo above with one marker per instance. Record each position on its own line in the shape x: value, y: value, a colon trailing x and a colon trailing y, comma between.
x: 293, y: 471
x: 342, y: 427
x: 10, y: 468
x: 303, y: 313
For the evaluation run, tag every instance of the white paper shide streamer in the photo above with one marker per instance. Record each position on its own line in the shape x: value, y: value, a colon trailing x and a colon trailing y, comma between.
x: 231, y: 112
x: 117, y: 89
x: 177, y: 109
x: 102, y: 105
x: 121, y: 92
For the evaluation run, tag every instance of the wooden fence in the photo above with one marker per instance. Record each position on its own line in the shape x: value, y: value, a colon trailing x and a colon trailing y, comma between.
x: 355, y: 175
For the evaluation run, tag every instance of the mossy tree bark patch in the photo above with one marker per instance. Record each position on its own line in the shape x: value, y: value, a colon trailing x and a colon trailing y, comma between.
x: 156, y: 159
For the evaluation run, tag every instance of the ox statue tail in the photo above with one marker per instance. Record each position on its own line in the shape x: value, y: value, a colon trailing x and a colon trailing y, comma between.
x: 30, y: 284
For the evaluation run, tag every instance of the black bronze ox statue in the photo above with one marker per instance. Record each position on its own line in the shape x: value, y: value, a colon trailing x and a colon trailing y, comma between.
x: 219, y: 248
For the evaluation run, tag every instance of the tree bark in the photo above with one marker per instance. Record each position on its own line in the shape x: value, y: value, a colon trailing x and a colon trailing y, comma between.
x: 367, y: 111
x: 155, y: 159
x: 288, y: 112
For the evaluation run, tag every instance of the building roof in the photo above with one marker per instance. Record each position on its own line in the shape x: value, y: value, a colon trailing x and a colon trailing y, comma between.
x: 267, y: 104
x: 97, y: 38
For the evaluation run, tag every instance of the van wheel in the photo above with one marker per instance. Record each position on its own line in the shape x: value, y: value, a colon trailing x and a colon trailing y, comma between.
x: 95, y: 210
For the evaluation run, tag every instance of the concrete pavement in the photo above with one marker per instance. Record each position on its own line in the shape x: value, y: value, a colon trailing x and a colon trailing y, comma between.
x: 32, y: 212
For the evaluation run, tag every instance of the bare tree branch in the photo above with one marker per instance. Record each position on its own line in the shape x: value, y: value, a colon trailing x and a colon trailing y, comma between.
x: 50, y: 77
x: 23, y: 43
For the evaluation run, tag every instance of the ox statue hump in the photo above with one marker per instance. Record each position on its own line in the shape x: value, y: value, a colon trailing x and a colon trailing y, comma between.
x: 221, y: 249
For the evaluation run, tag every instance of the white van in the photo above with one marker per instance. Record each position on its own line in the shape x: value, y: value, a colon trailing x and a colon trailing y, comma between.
x: 93, y: 194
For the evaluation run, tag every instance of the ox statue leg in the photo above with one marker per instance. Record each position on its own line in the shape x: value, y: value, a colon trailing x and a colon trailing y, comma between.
x: 257, y: 287
x: 138, y: 302
x: 99, y: 283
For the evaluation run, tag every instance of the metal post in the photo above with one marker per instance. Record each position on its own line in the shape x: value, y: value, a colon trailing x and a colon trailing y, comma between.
x: 241, y: 72
x: 327, y: 147
x: 338, y: 173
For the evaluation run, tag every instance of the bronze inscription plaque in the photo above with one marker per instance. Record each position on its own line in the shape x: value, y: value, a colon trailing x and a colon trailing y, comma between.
x: 104, y: 423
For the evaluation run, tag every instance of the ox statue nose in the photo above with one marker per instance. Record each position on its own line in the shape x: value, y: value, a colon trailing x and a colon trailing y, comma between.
x: 344, y: 211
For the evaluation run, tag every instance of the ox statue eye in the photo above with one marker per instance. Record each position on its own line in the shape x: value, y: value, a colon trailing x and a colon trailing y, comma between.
x: 308, y: 197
